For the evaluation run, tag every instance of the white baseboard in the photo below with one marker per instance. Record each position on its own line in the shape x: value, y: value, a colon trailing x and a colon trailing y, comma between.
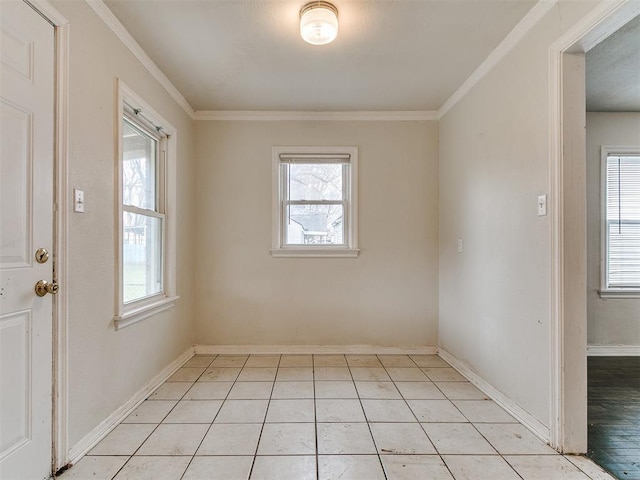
x: 314, y: 349
x: 613, y: 350
x: 94, y: 436
x: 524, y: 417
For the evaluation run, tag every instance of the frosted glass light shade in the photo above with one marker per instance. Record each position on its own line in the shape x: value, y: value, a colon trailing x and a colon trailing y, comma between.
x: 319, y: 23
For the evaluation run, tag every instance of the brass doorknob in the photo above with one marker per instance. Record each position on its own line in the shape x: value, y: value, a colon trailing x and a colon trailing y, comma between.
x: 43, y: 287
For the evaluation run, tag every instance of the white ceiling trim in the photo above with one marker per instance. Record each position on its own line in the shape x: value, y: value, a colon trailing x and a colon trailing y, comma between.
x: 125, y: 37
x: 380, y: 116
x: 602, y: 22
x: 534, y: 15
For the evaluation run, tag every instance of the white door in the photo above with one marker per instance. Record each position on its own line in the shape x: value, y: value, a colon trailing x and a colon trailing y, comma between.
x: 26, y: 225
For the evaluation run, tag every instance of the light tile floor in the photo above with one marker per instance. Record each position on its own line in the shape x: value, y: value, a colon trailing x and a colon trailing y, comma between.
x: 323, y: 417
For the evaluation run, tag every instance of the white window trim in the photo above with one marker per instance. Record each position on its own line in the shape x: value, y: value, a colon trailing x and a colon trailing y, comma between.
x: 136, y: 311
x: 338, y: 251
x: 605, y: 291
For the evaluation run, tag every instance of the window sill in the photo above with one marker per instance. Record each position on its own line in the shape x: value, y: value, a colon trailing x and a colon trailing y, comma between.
x: 626, y: 293
x: 315, y: 252
x: 135, y: 314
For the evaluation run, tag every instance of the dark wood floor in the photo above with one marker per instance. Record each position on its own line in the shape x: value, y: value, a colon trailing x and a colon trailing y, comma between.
x: 614, y: 415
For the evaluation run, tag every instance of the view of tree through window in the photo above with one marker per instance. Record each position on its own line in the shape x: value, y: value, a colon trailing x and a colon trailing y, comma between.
x: 142, y: 224
x: 138, y: 168
x: 316, y: 203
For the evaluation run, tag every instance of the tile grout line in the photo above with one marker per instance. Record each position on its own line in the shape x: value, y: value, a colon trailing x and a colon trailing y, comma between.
x: 266, y: 412
x: 217, y: 413
x: 373, y: 440
x: 212, y: 420
x: 315, y: 414
x: 414, y: 414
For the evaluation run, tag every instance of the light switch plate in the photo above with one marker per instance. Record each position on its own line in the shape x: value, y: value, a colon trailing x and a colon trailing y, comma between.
x: 78, y: 200
x: 542, y: 205
x: 460, y: 245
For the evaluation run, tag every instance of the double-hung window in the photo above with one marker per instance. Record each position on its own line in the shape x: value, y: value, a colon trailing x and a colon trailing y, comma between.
x: 621, y: 221
x: 145, y: 241
x: 315, y: 201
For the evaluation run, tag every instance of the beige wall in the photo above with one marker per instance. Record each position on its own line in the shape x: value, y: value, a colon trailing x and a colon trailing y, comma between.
x: 612, y: 321
x: 494, y: 162
x: 492, y: 300
x: 386, y: 296
x: 107, y: 367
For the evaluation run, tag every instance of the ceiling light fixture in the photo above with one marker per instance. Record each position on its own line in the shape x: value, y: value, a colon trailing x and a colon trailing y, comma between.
x: 319, y: 23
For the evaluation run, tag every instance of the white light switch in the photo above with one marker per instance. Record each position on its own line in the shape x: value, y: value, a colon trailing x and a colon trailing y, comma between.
x: 460, y: 245
x: 542, y: 205
x: 78, y: 200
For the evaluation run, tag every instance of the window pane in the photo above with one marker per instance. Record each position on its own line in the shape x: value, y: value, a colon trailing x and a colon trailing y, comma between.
x: 315, y: 181
x: 142, y: 256
x: 314, y: 224
x: 624, y: 254
x: 623, y: 188
x: 139, y: 159
x: 623, y: 220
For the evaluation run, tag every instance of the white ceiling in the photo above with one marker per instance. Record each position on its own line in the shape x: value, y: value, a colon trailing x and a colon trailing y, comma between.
x: 613, y: 72
x: 248, y: 54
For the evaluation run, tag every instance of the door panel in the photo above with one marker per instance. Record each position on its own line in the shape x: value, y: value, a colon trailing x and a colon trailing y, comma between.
x: 26, y: 224
x: 15, y: 194
x: 17, y: 53
x: 15, y: 418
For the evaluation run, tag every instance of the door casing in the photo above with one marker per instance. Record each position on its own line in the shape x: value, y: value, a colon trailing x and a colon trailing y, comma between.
x: 62, y: 204
x: 568, y: 307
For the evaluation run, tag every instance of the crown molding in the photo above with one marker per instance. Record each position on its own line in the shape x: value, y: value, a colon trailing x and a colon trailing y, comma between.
x: 601, y: 22
x: 523, y: 27
x: 125, y: 37
x: 272, y: 115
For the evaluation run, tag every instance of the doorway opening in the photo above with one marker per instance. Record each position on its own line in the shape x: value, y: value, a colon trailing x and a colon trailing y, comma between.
x: 613, y: 250
x: 571, y: 246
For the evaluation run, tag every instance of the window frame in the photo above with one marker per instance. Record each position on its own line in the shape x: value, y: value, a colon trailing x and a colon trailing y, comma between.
x: 142, y: 116
x: 350, y: 202
x: 605, y: 290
